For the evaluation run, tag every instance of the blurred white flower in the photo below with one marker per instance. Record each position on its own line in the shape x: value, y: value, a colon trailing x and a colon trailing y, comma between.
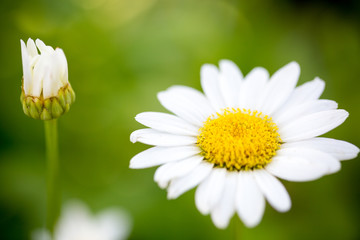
x: 45, y: 81
x: 236, y: 138
x: 77, y: 223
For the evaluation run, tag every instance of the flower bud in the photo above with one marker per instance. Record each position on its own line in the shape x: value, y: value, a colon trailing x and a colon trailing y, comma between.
x: 46, y: 92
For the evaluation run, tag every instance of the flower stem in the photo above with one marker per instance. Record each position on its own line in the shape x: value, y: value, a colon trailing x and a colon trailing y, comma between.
x: 53, y: 200
x: 237, y: 228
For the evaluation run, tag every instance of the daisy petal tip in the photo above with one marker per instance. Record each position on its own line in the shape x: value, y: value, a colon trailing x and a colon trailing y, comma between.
x: 160, y: 95
x: 133, y: 137
x: 203, y: 209
x: 221, y: 224
x: 140, y: 117
x: 342, y: 115
x: 334, y: 168
x: 318, y: 79
x: 294, y: 64
x: 171, y: 195
x: 251, y: 223
x: 292, y: 67
x: 162, y: 184
x: 224, y: 62
x: 208, y: 69
x: 356, y: 151
x: 23, y: 47
x: 30, y: 41
x: 285, y: 207
x: 40, y: 44
x: 134, y: 163
x: 131, y: 165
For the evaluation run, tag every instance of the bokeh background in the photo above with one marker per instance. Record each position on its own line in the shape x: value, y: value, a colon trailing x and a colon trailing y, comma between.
x: 120, y: 54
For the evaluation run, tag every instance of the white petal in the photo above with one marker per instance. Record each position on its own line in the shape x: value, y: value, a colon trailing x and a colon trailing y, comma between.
x: 309, y: 91
x: 165, y: 173
x: 296, y: 169
x: 49, y: 85
x: 225, y: 209
x: 153, y: 137
x: 229, y: 82
x: 209, y: 75
x: 31, y: 48
x: 52, y: 78
x: 195, y: 97
x: 208, y: 193
x: 43, y: 48
x: 180, y: 185
x: 26, y: 67
x: 40, y: 71
x: 167, y: 123
x: 162, y: 176
x: 313, y: 156
x: 312, y: 125
x: 230, y: 69
x: 188, y: 103
x: 341, y: 150
x: 281, y: 118
x: 250, y: 202
x: 252, y: 88
x: 273, y: 190
x: 159, y: 155
x: 63, y: 67
x: 280, y: 87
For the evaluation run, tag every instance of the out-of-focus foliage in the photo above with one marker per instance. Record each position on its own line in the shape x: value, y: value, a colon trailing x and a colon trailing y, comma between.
x: 120, y: 54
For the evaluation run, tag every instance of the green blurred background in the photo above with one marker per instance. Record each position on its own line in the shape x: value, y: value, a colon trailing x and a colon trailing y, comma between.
x: 120, y: 54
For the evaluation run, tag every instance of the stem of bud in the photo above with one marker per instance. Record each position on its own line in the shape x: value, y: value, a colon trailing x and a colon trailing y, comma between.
x: 53, y: 189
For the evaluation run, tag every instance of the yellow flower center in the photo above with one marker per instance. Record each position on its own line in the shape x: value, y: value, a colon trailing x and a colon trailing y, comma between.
x: 239, y: 139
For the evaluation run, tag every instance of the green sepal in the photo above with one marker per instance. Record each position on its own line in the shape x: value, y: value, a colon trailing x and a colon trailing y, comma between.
x: 33, y: 111
x: 25, y: 108
x: 72, y: 94
x: 45, y: 115
x: 28, y: 101
x: 50, y: 108
x: 61, y: 97
x: 22, y: 96
x: 38, y: 104
x: 56, y: 109
x: 47, y: 105
x: 68, y: 96
x: 67, y: 108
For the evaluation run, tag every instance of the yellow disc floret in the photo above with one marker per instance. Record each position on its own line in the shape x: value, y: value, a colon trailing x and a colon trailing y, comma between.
x: 239, y: 139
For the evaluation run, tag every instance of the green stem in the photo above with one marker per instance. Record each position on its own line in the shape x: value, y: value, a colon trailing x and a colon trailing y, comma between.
x: 237, y: 228
x: 53, y: 198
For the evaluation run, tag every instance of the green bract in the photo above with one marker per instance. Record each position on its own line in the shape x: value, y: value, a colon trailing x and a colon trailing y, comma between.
x: 49, y: 108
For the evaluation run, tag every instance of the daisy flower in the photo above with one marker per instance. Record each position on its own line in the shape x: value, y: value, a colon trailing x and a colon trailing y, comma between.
x: 77, y: 223
x: 234, y: 141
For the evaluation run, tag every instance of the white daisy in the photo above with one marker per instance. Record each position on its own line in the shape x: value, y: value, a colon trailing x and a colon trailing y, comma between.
x: 234, y: 140
x: 77, y: 223
x: 46, y: 92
